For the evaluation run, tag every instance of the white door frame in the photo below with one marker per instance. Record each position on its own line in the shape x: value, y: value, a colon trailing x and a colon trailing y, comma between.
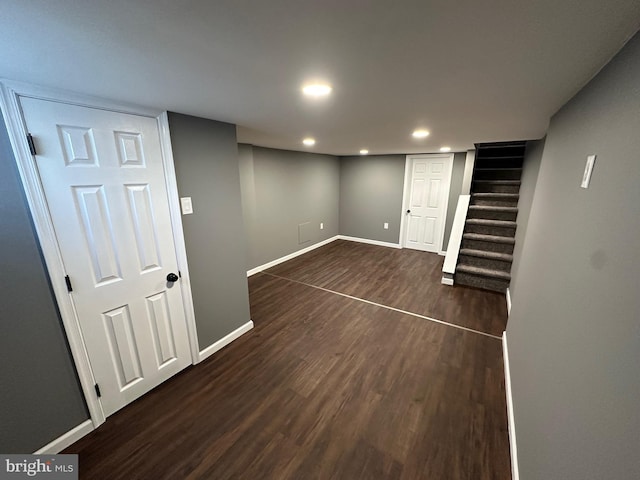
x: 406, y: 192
x: 16, y: 127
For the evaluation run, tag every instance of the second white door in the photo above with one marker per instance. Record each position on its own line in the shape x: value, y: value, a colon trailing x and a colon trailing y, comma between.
x: 427, y: 197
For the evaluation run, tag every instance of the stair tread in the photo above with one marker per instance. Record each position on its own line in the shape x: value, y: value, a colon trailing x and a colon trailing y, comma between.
x: 485, y: 254
x: 489, y: 238
x: 499, y: 182
x: 493, y: 223
x: 499, y: 169
x: 485, y: 272
x: 511, y: 144
x: 494, y: 157
x: 495, y: 194
x: 493, y: 208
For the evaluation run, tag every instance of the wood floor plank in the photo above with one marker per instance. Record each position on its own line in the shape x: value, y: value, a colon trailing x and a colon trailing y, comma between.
x: 400, y: 278
x: 324, y: 387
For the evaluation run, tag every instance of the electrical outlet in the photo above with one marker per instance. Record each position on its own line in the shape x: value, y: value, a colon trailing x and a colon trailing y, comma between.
x: 321, y: 226
x: 386, y: 226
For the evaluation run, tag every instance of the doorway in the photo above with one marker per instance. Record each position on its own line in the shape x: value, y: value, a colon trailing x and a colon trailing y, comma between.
x: 425, y: 199
x: 99, y: 184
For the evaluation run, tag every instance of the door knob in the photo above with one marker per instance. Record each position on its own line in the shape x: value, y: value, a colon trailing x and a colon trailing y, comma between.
x: 408, y: 211
x: 172, y: 277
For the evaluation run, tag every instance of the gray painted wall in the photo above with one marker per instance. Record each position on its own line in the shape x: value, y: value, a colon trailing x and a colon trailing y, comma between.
x: 530, y: 170
x: 371, y: 194
x: 371, y: 189
x: 457, y: 174
x: 574, y: 330
x: 206, y: 162
x: 282, y: 190
x: 40, y: 396
x: 248, y: 191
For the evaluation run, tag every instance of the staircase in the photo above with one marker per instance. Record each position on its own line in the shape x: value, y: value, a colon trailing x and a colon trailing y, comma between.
x: 486, y: 252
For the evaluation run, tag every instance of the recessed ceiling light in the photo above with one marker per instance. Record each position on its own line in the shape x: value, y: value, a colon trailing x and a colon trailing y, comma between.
x: 364, y: 151
x: 420, y: 133
x: 445, y: 149
x: 317, y: 90
x: 309, y: 142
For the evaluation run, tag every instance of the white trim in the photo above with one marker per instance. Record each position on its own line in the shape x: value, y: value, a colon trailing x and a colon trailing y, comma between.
x: 69, y: 438
x: 515, y: 472
x: 508, y: 295
x: 226, y: 340
x: 50, y: 251
x: 72, y: 98
x: 178, y: 235
x: 405, y: 195
x: 295, y: 254
x: 405, y: 200
x: 16, y: 128
x: 370, y: 242
x: 447, y: 279
x: 455, y: 238
x: 467, y: 176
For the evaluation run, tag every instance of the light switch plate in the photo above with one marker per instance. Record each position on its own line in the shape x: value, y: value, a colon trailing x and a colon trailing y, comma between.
x: 187, y: 206
x: 321, y: 226
x: 386, y: 226
x: 588, y: 170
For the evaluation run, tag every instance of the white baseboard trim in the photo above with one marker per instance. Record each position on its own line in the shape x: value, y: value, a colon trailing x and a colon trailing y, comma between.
x: 446, y: 280
x: 295, y: 254
x: 370, y: 242
x: 63, y: 441
x: 224, y: 341
x: 442, y: 253
x: 86, y: 427
x: 515, y: 472
x: 508, y: 295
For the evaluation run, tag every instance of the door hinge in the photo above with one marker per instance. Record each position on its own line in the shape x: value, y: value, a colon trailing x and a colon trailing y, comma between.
x: 179, y: 273
x: 97, y: 387
x: 32, y: 145
x: 67, y: 280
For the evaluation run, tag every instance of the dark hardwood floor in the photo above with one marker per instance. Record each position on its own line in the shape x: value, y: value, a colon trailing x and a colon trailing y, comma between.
x: 324, y: 387
x: 404, y: 279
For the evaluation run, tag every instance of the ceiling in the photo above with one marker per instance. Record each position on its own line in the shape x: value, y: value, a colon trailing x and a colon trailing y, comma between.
x: 466, y: 70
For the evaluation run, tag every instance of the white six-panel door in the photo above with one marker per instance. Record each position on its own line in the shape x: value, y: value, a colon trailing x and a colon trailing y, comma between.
x: 103, y: 179
x: 428, y: 192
